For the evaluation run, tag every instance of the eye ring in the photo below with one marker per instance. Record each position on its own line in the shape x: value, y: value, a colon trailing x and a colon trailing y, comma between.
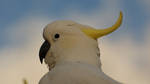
x: 57, y: 36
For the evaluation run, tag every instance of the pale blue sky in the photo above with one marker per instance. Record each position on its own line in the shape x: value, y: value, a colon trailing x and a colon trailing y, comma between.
x: 12, y: 10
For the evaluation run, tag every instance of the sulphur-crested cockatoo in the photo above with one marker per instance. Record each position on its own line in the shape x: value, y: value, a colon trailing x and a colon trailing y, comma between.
x: 71, y: 52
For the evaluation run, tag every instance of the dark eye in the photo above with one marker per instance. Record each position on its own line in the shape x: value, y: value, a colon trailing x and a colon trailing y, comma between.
x: 57, y: 36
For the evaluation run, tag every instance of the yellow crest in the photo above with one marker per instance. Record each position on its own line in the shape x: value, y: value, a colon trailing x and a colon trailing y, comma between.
x: 96, y: 33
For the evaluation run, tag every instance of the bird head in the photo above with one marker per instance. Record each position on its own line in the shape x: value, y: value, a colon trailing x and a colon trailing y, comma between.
x: 68, y: 40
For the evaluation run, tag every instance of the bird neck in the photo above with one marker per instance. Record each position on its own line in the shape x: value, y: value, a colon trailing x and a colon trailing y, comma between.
x: 85, y: 54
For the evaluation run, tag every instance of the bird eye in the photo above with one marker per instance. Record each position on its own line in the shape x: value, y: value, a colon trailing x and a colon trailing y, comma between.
x: 57, y: 36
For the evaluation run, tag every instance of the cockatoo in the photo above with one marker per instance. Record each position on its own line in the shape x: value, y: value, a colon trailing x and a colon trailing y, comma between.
x: 71, y: 52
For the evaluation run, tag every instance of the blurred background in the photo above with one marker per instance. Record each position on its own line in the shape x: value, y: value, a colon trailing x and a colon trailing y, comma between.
x: 125, y: 54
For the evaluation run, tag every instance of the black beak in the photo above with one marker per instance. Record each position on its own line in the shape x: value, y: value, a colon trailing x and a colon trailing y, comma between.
x: 43, y: 50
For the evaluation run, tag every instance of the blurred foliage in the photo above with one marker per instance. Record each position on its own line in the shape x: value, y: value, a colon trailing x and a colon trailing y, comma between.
x: 25, y: 81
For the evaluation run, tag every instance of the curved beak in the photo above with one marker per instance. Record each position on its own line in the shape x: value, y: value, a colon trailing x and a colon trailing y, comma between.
x: 43, y: 50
